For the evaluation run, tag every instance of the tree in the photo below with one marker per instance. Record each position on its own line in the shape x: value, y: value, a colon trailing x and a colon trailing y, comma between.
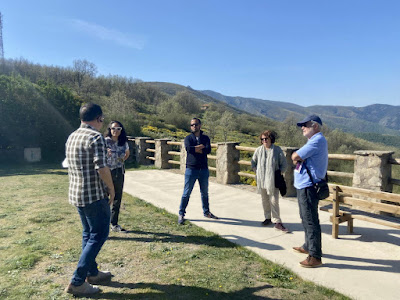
x: 84, y: 71
x: 189, y: 103
x: 179, y: 109
x: 211, y: 121
x: 173, y: 113
x: 227, y: 124
x: 39, y: 115
x: 291, y: 135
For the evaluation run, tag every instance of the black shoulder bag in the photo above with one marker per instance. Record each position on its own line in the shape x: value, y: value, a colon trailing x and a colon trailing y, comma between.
x: 280, y: 182
x: 321, y: 187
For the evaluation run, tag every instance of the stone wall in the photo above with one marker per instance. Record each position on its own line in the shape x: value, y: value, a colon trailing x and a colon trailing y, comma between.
x: 372, y: 170
x: 227, y: 163
x: 140, y: 150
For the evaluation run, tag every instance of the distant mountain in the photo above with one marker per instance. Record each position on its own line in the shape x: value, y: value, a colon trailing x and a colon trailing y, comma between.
x: 272, y: 109
x: 172, y: 89
x: 377, y: 118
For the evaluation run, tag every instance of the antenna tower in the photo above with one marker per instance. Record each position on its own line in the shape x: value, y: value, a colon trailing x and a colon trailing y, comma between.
x: 1, y: 38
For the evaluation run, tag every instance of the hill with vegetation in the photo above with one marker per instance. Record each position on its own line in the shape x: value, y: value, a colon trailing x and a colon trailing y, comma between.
x: 377, y: 118
x: 39, y: 107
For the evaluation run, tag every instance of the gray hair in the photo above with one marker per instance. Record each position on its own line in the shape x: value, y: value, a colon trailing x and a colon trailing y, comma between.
x: 314, y: 122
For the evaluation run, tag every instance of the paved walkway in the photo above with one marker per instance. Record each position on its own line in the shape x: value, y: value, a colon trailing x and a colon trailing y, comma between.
x: 362, y: 265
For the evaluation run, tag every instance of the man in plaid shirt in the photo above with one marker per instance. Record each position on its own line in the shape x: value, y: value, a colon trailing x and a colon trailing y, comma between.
x: 90, y: 183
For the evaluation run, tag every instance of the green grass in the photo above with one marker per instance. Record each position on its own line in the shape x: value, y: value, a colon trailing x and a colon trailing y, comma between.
x: 40, y: 236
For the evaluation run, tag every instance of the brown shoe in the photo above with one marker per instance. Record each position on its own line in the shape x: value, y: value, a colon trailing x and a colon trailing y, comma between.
x: 210, y: 216
x: 300, y: 250
x: 311, y: 262
x: 280, y: 227
x: 101, y: 277
x: 86, y: 289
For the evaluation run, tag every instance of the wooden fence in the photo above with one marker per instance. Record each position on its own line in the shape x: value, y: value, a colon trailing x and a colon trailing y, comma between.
x: 371, y: 169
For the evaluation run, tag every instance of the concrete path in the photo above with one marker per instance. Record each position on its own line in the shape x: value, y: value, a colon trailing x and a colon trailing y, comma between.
x: 363, y: 265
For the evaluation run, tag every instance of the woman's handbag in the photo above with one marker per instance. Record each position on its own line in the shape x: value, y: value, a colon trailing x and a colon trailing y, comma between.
x: 280, y: 182
x: 322, y: 187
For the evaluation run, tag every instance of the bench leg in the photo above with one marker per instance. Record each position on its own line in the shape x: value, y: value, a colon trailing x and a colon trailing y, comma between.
x: 335, y: 227
x: 350, y: 226
x: 335, y: 213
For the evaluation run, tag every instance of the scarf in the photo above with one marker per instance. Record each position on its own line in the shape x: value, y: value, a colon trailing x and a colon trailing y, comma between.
x: 265, y: 174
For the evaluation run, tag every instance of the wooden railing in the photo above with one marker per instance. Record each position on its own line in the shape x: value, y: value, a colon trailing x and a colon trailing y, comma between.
x: 395, y: 161
x: 346, y: 157
x: 213, y: 157
x: 148, y: 152
x: 174, y: 153
x: 151, y: 150
x: 245, y: 162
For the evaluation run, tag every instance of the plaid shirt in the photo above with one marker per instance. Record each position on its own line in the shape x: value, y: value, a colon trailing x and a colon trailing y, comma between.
x: 85, y: 153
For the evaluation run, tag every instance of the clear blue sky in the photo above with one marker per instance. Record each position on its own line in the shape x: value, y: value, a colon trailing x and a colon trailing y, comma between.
x: 338, y: 52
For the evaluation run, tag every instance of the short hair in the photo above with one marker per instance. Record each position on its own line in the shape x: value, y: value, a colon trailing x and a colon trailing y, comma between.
x: 197, y: 119
x: 314, y: 122
x: 90, y: 111
x: 122, y: 139
x: 272, y: 135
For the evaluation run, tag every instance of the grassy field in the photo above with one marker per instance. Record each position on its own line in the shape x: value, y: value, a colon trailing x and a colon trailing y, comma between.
x: 40, y: 236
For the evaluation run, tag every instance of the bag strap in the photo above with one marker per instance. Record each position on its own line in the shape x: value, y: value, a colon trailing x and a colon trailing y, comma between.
x: 309, y: 174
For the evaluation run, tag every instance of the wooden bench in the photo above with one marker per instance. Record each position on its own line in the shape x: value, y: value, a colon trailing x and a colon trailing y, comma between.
x: 347, y: 205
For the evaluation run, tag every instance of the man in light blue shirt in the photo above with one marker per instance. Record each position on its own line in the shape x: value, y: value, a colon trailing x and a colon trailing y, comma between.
x: 314, y: 157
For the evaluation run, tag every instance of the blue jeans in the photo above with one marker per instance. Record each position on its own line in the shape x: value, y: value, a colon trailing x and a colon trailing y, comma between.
x: 95, y: 219
x: 191, y: 175
x: 308, y: 206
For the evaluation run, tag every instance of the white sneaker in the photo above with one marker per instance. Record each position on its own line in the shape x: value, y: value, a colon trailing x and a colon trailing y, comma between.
x: 85, y: 289
x: 117, y: 228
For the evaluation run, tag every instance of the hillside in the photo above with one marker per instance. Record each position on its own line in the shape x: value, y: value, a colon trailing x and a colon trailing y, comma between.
x: 49, y: 99
x: 272, y: 109
x: 376, y: 123
x: 171, y: 89
x: 378, y: 118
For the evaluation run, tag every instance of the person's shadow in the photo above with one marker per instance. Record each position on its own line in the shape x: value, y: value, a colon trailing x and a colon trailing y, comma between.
x: 148, y: 236
x: 352, y: 263
x: 227, y: 241
x: 174, y: 291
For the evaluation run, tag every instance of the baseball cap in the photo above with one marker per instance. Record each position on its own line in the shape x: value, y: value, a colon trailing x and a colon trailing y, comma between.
x: 314, y: 118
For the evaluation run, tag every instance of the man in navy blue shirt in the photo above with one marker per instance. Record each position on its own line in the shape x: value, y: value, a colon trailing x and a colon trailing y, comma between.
x: 197, y: 147
x: 310, y: 160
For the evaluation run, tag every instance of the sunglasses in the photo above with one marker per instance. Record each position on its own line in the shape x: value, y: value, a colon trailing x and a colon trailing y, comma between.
x: 195, y: 124
x: 116, y: 128
x: 308, y: 124
x: 264, y: 139
x: 100, y: 119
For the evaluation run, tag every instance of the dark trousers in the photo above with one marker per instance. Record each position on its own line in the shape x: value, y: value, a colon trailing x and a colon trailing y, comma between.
x: 308, y: 206
x: 118, y: 177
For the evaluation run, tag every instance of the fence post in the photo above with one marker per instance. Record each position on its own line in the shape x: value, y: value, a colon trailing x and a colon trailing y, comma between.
x: 140, y: 149
x: 132, y: 149
x: 227, y: 163
x: 161, y: 155
x: 289, y: 175
x: 183, y: 157
x: 372, y: 170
